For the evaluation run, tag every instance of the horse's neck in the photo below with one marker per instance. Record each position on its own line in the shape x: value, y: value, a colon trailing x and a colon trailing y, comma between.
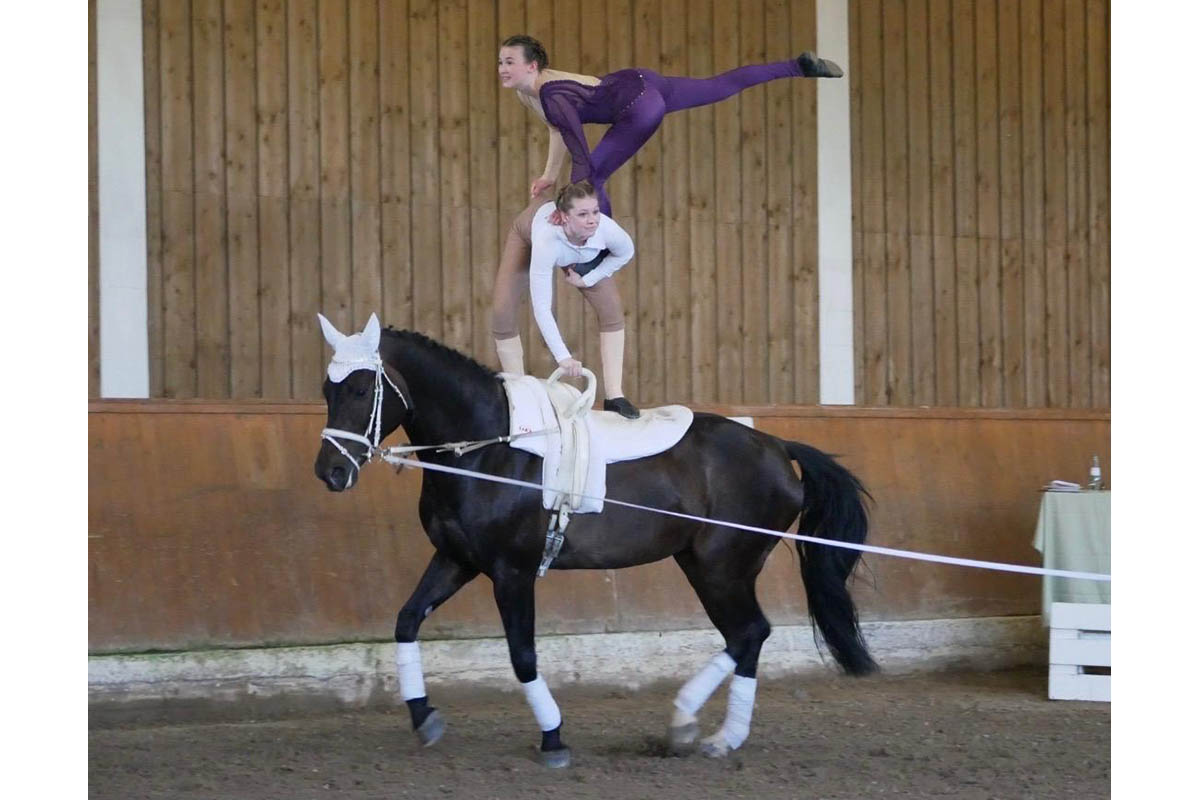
x: 448, y: 405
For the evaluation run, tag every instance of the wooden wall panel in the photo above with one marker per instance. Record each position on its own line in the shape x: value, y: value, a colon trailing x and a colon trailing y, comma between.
x: 304, y: 201
x: 980, y: 163
x: 350, y: 156
x: 805, y: 303
x: 239, y: 545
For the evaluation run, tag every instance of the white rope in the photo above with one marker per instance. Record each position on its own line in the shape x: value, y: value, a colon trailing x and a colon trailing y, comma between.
x: 395, y: 460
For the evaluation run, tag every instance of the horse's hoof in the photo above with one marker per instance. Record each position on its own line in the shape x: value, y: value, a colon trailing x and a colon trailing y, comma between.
x: 555, y: 759
x: 714, y: 747
x: 681, y: 738
x: 431, y: 729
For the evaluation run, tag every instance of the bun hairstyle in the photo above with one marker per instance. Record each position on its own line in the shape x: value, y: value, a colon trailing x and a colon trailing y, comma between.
x: 532, y: 48
x: 568, y: 194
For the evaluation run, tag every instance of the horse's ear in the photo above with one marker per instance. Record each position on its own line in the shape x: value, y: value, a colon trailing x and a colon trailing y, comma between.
x: 332, y: 334
x: 371, y: 332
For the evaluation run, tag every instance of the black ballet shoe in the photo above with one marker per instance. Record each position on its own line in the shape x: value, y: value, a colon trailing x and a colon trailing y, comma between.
x: 623, y: 407
x: 813, y: 67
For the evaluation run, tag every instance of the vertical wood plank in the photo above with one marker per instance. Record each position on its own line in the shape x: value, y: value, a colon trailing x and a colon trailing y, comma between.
x: 425, y: 167
x: 920, y: 236
x: 728, y: 145
x: 241, y: 191
x: 453, y: 151
x: 856, y: 202
x: 874, y: 212
x: 1079, y: 364
x: 336, y: 247
x: 482, y: 92
x: 941, y: 156
x: 806, y: 342
x: 208, y: 133
x: 896, y: 227
x: 622, y: 192
x: 676, y: 252
x: 395, y: 181
x: 304, y: 200
x: 779, y: 266
x: 1055, y: 158
x: 153, y: 91
x: 1011, y: 266
x: 512, y: 118
x: 1098, y: 196
x: 366, y: 278
x: 754, y: 229
x: 701, y: 219
x: 648, y: 170
x: 1033, y: 205
x: 987, y: 185
x: 966, y: 228
x: 274, y: 286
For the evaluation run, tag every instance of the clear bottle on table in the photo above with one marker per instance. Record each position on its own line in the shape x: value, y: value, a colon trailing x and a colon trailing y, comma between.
x: 1094, y: 483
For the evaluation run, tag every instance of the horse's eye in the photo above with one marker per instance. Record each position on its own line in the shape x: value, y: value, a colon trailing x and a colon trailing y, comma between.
x: 360, y: 391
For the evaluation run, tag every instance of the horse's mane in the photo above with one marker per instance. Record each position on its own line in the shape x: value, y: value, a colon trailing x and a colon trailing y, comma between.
x: 455, y: 359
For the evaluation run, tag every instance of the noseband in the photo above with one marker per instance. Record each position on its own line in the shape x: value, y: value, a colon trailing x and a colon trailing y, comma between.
x: 369, y: 438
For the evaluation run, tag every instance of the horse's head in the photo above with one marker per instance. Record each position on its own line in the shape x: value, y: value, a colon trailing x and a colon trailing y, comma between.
x: 366, y: 400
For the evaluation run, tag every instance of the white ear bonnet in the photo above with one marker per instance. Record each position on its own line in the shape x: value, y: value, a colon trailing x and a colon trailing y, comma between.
x: 357, y: 351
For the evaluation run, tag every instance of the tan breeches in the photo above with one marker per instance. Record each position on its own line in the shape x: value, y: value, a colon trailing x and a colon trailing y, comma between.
x: 512, y: 281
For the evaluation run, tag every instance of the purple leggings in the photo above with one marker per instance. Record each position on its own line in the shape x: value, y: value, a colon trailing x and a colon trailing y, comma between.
x: 638, y: 121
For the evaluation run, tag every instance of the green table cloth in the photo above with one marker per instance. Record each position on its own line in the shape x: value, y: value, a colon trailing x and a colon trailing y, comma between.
x: 1073, y: 533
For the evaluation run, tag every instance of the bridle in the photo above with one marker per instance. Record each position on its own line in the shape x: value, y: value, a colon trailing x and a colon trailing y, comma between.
x: 369, y: 438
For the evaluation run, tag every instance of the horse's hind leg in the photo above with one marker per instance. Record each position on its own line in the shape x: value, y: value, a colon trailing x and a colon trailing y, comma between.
x: 515, y: 599
x: 443, y: 577
x: 726, y: 590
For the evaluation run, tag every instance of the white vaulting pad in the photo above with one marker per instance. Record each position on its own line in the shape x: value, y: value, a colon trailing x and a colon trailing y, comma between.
x: 611, y: 436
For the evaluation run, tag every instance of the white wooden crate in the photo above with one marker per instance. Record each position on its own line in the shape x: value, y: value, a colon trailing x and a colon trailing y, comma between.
x: 1080, y: 636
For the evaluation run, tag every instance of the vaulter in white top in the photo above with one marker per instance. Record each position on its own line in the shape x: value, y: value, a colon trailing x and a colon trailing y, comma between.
x: 591, y: 245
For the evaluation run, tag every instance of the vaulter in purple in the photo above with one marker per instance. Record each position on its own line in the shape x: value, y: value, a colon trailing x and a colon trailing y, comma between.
x: 632, y: 101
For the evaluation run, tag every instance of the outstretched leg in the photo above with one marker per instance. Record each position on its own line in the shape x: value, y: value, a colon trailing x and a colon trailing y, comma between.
x: 514, y: 594
x: 680, y: 93
x: 443, y: 577
x: 725, y: 587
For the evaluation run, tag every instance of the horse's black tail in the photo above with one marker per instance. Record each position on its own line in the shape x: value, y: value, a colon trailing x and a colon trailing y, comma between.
x: 833, y: 508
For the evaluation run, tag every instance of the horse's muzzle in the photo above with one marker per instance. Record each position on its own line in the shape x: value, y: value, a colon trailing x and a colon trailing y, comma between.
x: 334, y: 473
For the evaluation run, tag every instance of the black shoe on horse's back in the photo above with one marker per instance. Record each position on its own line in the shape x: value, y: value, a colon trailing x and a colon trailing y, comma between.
x: 623, y: 407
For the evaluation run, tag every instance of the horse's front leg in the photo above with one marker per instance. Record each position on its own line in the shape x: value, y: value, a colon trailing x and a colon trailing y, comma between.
x: 514, y: 598
x: 443, y: 577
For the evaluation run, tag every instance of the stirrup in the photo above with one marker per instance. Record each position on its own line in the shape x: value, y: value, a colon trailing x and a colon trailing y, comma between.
x: 559, y: 518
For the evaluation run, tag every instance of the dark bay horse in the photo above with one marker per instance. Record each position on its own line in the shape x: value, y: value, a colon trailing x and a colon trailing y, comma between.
x: 721, y: 470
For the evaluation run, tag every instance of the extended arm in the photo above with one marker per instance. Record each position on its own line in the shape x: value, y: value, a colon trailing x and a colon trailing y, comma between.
x: 541, y: 296
x: 561, y: 115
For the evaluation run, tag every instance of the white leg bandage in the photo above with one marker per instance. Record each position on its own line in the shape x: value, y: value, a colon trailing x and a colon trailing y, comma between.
x: 545, y: 710
x: 736, y: 726
x: 408, y: 670
x: 696, y: 692
x: 512, y: 356
x: 612, y: 360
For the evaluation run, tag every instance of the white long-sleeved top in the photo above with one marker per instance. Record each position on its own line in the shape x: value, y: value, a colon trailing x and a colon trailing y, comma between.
x: 551, y: 249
